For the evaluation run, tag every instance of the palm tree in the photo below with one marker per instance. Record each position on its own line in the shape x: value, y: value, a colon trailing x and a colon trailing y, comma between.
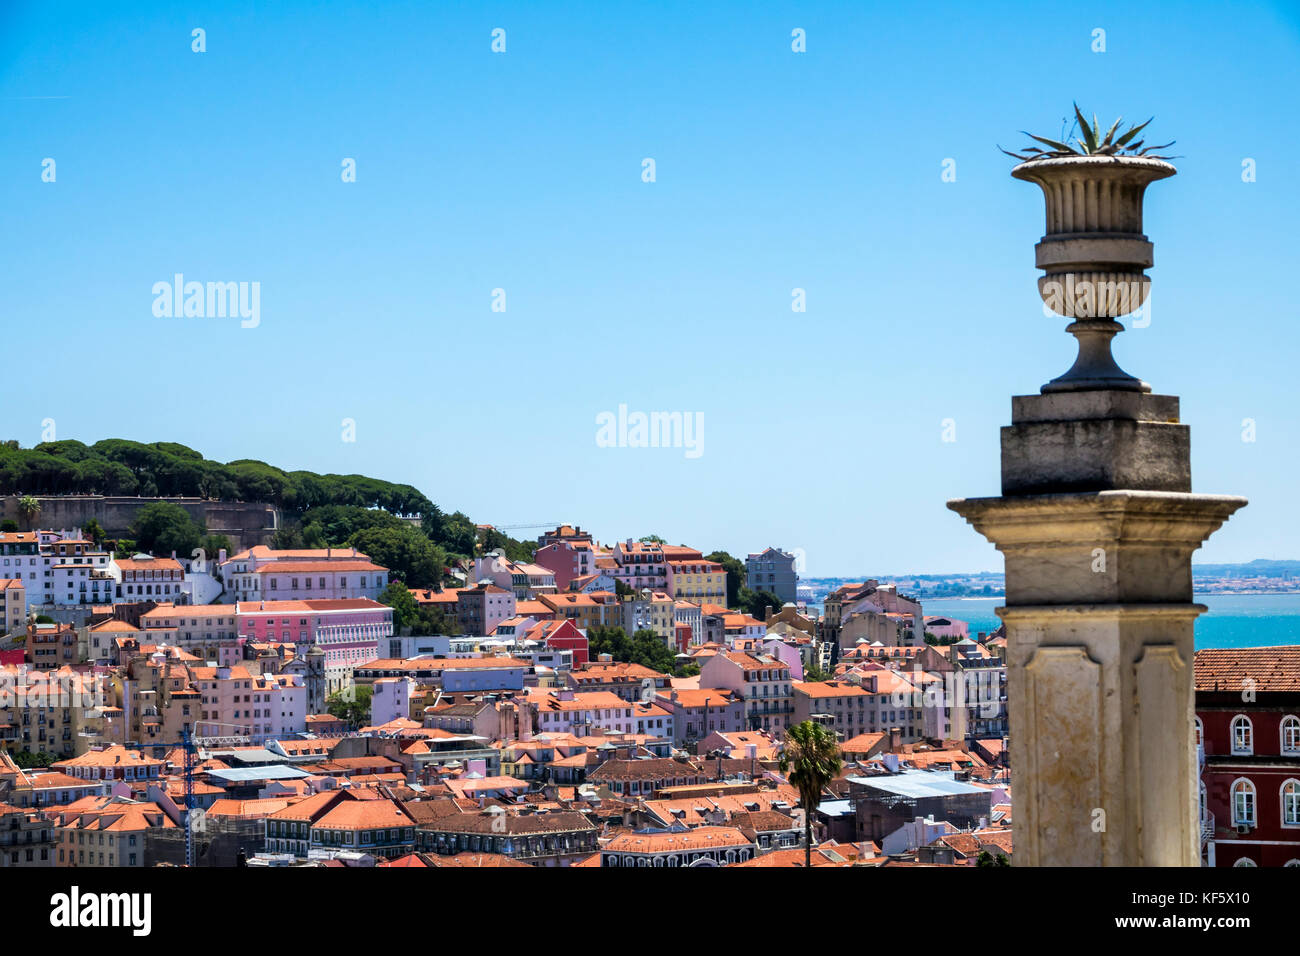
x: 811, y: 760
x: 29, y: 508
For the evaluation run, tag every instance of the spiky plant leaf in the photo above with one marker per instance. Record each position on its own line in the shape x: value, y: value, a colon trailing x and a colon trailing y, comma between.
x: 1124, y: 140
x: 1089, y: 141
x: 1055, y: 144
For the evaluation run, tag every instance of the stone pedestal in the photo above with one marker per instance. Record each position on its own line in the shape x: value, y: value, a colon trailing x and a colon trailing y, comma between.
x: 1099, y: 677
x: 1097, y: 524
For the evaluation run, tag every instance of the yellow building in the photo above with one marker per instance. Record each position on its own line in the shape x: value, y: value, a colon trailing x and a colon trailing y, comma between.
x: 700, y: 582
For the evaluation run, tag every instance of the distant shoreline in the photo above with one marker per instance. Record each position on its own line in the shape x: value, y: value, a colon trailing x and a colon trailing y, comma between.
x: 995, y: 597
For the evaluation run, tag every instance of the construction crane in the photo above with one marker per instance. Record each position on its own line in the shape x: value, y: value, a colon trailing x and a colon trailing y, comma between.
x: 190, y: 744
x: 525, y: 527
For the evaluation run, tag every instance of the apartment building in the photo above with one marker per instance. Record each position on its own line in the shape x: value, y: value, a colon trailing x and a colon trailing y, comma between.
x: 697, y: 713
x: 52, y: 711
x: 764, y: 683
x: 13, y: 605
x: 27, y: 838
x: 585, y: 610
x: 698, y: 581
x: 144, y: 577
x: 581, y: 714
x: 566, y: 560
x: 209, y: 631
x: 109, y: 832
x: 51, y: 646
x: 631, y: 682
x: 839, y: 705
x: 481, y: 608
x: 263, y: 573
x: 554, y: 838
x: 773, y: 570
x: 1248, y: 748
x: 350, y: 631
x: 641, y: 565
x: 650, y: 611
x: 342, y: 820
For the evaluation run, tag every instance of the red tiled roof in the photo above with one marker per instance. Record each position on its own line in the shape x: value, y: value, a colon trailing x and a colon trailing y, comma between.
x: 1272, y: 669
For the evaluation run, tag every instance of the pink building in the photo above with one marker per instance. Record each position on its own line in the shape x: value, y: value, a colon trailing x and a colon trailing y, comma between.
x: 350, y: 632
x: 263, y: 707
x: 566, y: 560
x: 641, y: 565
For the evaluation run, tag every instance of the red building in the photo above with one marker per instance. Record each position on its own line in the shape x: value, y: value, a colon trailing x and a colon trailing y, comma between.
x: 1248, y: 739
x: 564, y: 635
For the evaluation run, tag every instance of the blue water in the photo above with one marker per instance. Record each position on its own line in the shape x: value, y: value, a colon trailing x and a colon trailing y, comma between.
x: 1234, y: 620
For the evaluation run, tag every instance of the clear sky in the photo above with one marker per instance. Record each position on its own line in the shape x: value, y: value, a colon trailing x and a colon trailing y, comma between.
x: 522, y: 171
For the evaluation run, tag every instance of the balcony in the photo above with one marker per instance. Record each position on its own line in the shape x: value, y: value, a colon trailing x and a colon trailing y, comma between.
x: 1207, y: 829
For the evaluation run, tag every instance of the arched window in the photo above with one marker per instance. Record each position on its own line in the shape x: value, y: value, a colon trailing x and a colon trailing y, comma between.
x: 1245, y: 861
x: 1291, y: 803
x: 1291, y: 734
x: 1292, y: 863
x: 1243, y: 802
x: 1200, y: 732
x: 1243, y: 735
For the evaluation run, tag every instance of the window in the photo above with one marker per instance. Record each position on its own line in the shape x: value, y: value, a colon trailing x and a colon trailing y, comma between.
x: 1243, y: 736
x: 1245, y: 861
x: 1243, y: 802
x: 1291, y: 735
x: 1200, y: 732
x: 1291, y: 803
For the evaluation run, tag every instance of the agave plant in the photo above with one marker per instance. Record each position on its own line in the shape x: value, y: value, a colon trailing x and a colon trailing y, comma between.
x: 1092, y: 142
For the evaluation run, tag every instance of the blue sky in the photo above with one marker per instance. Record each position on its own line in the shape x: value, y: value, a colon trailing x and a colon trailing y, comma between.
x: 522, y: 171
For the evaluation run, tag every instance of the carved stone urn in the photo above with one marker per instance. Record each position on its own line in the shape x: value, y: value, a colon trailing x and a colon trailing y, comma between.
x: 1094, y: 256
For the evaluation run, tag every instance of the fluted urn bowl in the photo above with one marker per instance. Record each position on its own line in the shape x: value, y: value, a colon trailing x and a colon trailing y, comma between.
x: 1094, y: 254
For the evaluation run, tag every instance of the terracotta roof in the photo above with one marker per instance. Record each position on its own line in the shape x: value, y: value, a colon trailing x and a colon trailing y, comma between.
x: 687, y: 697
x: 700, y: 838
x: 793, y: 857
x: 656, y: 768
x: 512, y: 824
x: 313, y: 567
x: 149, y: 564
x: 1273, y: 669
x: 364, y: 815
x: 829, y: 688
x: 470, y: 860
x: 113, y: 756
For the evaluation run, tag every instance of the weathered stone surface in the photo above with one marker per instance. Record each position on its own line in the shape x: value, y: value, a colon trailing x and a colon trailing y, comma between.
x: 1095, y: 454
x: 1100, y: 704
x: 1081, y: 406
x: 1102, y: 547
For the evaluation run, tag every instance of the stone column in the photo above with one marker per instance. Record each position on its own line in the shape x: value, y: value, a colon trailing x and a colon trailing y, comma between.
x: 1097, y: 523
